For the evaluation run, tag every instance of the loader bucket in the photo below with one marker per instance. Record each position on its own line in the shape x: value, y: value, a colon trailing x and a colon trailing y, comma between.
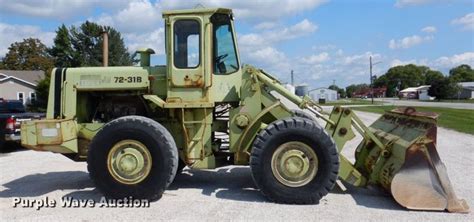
x: 408, y: 165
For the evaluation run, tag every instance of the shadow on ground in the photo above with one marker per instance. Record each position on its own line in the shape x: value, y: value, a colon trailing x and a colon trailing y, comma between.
x: 10, y: 147
x: 226, y: 183
x: 372, y: 197
x: 40, y: 184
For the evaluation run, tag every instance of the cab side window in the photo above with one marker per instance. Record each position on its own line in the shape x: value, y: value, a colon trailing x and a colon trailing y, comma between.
x: 225, y: 55
x: 187, y: 47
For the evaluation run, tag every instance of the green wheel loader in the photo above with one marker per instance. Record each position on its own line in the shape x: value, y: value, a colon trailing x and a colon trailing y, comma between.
x: 138, y: 126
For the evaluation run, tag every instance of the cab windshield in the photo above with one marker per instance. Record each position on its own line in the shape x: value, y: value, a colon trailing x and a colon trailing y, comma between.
x: 224, y: 55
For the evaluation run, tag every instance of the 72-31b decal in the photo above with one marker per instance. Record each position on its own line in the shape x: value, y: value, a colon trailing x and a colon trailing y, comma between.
x: 129, y: 79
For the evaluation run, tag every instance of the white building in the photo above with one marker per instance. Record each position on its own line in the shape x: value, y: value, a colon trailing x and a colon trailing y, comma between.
x: 466, y: 90
x: 19, y: 85
x: 420, y: 92
x: 323, y: 93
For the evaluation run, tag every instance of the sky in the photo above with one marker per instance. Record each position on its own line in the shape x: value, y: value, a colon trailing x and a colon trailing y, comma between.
x: 323, y: 41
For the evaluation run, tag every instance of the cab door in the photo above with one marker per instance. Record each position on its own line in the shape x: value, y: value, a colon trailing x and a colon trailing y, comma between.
x: 185, y: 58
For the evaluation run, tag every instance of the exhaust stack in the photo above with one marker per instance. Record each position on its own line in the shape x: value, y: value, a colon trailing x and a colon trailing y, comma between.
x: 105, y: 49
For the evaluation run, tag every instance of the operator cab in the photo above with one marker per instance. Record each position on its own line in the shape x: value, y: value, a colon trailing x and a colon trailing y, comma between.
x: 201, y: 47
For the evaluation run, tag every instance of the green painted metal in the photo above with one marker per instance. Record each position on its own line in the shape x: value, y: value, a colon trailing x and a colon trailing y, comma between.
x: 129, y: 162
x: 183, y: 100
x: 200, y: 103
x: 294, y: 164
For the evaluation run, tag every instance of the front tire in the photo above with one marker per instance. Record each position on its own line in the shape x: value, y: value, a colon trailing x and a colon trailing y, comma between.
x: 133, y: 156
x: 294, y: 161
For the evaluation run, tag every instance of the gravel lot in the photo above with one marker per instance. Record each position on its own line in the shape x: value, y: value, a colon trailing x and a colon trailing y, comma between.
x: 222, y: 194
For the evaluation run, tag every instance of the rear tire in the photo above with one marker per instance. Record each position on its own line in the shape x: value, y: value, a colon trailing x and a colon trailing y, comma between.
x: 133, y: 156
x: 308, y: 147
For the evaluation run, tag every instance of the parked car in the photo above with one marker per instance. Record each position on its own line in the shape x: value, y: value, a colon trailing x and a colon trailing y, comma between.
x: 12, y: 114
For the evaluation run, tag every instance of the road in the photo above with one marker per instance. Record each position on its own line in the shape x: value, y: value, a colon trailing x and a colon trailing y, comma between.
x: 397, y: 102
x: 223, y: 194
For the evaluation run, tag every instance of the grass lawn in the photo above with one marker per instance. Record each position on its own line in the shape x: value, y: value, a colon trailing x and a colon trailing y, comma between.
x: 461, y: 120
x: 342, y: 102
x: 453, y: 101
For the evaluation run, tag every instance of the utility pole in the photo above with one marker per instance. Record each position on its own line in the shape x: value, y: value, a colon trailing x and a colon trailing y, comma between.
x: 371, y: 87
x: 292, y: 78
x: 371, y: 79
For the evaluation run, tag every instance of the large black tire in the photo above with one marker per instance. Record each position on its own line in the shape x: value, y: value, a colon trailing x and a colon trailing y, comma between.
x: 302, y: 114
x: 157, y: 140
x: 290, y: 130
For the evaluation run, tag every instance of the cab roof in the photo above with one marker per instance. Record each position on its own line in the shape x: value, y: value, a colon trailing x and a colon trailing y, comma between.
x: 197, y: 11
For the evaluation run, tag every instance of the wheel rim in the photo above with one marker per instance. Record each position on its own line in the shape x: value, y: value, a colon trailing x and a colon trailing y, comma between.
x: 129, y: 162
x: 294, y: 164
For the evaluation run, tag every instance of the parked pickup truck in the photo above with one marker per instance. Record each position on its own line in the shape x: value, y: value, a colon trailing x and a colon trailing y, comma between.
x: 12, y: 113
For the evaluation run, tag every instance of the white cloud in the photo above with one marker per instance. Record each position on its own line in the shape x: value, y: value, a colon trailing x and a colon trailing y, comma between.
x: 265, y: 25
x: 140, y: 23
x: 16, y: 33
x: 66, y: 9
x: 259, y: 48
x: 443, y: 63
x: 272, y: 36
x: 324, y: 47
x: 138, y: 16
x: 397, y: 62
x: 405, y: 3
x: 314, y: 59
x: 429, y: 29
x: 268, y: 58
x: 57, y: 9
x: 467, y: 21
x: 251, y: 39
x: 319, y: 70
x: 267, y: 54
x: 154, y: 40
x: 358, y: 59
x: 251, y: 9
x: 408, y: 42
x: 297, y: 30
x: 150, y: 23
x: 455, y: 60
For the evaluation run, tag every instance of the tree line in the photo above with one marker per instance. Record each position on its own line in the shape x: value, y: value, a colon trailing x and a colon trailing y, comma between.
x: 75, y: 46
x: 400, y: 77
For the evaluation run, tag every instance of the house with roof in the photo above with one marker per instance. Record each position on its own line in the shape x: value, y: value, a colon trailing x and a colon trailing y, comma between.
x: 466, y: 90
x: 419, y: 92
x: 366, y: 92
x: 19, y: 84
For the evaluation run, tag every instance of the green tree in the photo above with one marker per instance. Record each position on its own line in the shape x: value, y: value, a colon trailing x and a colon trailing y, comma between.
x: 62, y: 51
x: 42, y: 90
x: 443, y: 88
x: 462, y: 73
x: 82, y: 46
x: 87, y: 42
x: 29, y: 54
x: 354, y: 88
x: 432, y: 76
x: 402, y: 77
x: 340, y: 91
